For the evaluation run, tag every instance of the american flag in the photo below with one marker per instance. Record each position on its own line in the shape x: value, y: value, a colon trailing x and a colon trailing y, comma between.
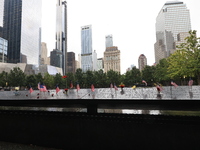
x: 42, y: 88
x: 159, y: 88
x: 71, y: 85
x: 57, y: 89
x: 144, y: 82
x: 190, y: 82
x: 115, y: 87
x: 31, y: 89
x: 111, y: 85
x: 77, y: 87
x: 38, y: 85
x: 174, y: 84
x: 92, y: 88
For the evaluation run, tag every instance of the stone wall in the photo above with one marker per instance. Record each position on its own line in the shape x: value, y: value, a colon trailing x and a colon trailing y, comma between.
x: 169, y: 92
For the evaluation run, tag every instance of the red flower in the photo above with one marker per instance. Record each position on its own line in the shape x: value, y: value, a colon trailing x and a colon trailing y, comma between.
x: 122, y: 85
x: 66, y: 89
x: 64, y: 76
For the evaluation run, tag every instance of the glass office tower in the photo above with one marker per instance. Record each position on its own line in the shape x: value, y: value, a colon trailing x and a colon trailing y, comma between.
x: 61, y: 32
x: 109, y: 41
x: 1, y: 12
x: 22, y: 29
x: 86, y: 48
x: 173, y: 18
x: 3, y: 50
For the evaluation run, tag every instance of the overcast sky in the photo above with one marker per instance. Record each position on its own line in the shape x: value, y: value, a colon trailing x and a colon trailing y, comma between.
x: 131, y: 22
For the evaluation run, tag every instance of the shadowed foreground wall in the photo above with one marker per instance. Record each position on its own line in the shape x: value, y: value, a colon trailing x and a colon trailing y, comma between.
x: 67, y: 130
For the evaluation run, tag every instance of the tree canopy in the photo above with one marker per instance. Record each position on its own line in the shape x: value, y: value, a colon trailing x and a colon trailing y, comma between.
x: 185, y: 62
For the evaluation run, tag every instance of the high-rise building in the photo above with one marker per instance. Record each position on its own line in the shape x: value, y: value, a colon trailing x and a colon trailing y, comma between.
x: 71, y: 63
x: 1, y: 31
x: 3, y: 50
x: 79, y: 60
x: 1, y: 12
x: 100, y: 64
x: 180, y: 39
x: 142, y: 62
x: 22, y: 29
x: 61, y: 31
x: 86, y: 48
x: 43, y: 56
x: 109, y: 41
x: 56, y: 58
x: 77, y: 65
x: 173, y: 18
x: 112, y: 59
x: 94, y: 60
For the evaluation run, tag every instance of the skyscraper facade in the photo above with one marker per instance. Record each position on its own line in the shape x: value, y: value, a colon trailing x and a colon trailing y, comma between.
x: 56, y: 58
x: 94, y: 60
x: 109, y: 40
x: 3, y: 50
x: 1, y: 12
x: 100, y: 64
x: 43, y: 56
x: 173, y: 18
x: 71, y: 62
x: 142, y: 62
x: 61, y: 32
x: 22, y: 29
x: 86, y: 48
x: 1, y: 31
x: 112, y: 59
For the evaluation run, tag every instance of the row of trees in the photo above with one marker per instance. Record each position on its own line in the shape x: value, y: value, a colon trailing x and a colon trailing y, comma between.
x: 179, y: 67
x: 16, y: 77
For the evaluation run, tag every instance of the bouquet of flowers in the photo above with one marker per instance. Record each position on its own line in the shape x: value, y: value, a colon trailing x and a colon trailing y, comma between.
x: 65, y: 91
x: 122, y: 85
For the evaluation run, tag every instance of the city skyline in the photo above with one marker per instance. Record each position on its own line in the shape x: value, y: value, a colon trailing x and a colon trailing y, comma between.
x: 133, y: 36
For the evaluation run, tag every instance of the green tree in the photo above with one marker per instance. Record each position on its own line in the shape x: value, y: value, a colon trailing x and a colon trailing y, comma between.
x: 186, y: 60
x: 148, y: 74
x: 89, y: 79
x: 49, y: 81
x: 161, y: 74
x: 70, y: 78
x: 100, y: 79
x: 4, y: 79
x: 31, y: 81
x: 79, y: 77
x: 132, y: 77
x: 59, y: 81
x: 16, y: 77
x: 39, y: 78
x: 113, y: 77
